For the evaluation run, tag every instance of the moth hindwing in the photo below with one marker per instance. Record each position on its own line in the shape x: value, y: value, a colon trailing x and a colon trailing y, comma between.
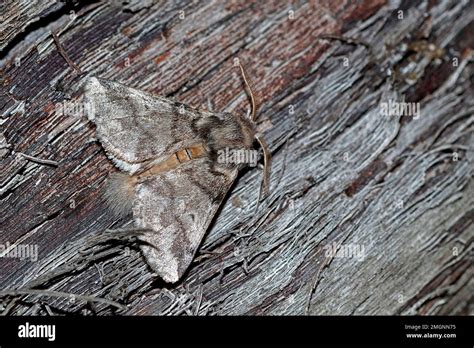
x: 172, y: 180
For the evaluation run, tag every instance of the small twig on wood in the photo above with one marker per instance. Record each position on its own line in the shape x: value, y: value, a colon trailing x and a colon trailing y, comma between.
x: 53, y: 293
x: 260, y: 190
x: 352, y: 41
x: 47, y: 308
x: 64, y: 54
x: 347, y: 40
x: 466, y: 57
x: 316, y: 279
x: 123, y: 233
x: 199, y: 300
x: 9, y: 306
x: 40, y: 160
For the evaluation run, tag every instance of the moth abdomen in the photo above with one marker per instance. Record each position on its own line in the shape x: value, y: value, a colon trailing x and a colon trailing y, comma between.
x: 120, y: 193
x: 173, y: 161
x: 120, y: 187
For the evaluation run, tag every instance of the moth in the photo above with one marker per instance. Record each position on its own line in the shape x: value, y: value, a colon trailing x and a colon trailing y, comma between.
x: 171, y: 179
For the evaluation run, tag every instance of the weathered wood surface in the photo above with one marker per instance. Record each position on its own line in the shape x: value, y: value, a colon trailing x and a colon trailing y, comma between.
x: 399, y: 187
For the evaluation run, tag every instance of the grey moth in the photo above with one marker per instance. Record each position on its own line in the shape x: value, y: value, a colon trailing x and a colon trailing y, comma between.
x: 171, y: 179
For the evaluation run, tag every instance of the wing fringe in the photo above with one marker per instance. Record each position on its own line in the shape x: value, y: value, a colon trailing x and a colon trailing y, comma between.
x: 119, y: 194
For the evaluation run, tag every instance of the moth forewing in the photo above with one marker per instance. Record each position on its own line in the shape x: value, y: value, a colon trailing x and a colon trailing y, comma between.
x: 173, y: 183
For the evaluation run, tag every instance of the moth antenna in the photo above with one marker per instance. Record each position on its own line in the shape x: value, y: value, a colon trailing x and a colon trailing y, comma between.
x: 258, y: 136
x: 266, y: 164
x: 120, y: 193
x: 252, y: 97
x: 63, y: 53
